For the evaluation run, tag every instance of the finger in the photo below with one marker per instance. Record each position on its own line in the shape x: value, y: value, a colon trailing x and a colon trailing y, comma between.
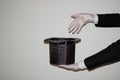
x: 69, y: 67
x: 78, y: 31
x: 72, y: 29
x: 65, y: 66
x: 71, y: 25
x: 75, y: 30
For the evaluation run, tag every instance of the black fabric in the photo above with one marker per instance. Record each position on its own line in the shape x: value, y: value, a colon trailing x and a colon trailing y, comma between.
x: 108, y: 20
x: 110, y: 54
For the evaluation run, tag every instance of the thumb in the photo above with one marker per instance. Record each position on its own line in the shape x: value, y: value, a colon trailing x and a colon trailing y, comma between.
x: 75, y: 15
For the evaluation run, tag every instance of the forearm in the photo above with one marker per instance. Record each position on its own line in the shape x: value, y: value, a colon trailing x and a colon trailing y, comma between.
x: 108, y: 20
x: 108, y: 55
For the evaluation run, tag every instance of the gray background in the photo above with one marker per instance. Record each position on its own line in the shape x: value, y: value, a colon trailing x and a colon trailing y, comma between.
x: 24, y: 24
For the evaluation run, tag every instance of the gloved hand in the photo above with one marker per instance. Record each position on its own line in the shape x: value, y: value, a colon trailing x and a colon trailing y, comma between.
x: 74, y: 67
x: 80, y: 20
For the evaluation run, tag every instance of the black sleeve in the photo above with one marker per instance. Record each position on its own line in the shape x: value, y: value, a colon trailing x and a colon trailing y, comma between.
x: 108, y: 20
x: 107, y: 56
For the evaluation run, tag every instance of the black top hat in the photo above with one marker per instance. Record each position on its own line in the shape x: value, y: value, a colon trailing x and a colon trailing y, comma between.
x: 62, y: 50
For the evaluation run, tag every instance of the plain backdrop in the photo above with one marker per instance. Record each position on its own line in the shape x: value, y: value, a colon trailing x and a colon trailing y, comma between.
x: 24, y: 24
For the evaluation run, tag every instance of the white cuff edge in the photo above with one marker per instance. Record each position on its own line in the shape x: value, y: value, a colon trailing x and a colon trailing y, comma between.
x: 82, y: 65
x: 96, y: 19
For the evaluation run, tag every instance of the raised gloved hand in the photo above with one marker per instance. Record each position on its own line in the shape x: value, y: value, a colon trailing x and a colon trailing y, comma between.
x: 80, y: 20
x: 74, y: 67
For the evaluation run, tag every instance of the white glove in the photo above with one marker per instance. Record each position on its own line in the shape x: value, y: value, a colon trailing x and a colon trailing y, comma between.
x: 74, y: 67
x: 80, y: 20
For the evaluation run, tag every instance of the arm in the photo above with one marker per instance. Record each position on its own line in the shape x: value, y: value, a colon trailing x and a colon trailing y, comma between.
x: 100, y: 20
x: 107, y: 56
